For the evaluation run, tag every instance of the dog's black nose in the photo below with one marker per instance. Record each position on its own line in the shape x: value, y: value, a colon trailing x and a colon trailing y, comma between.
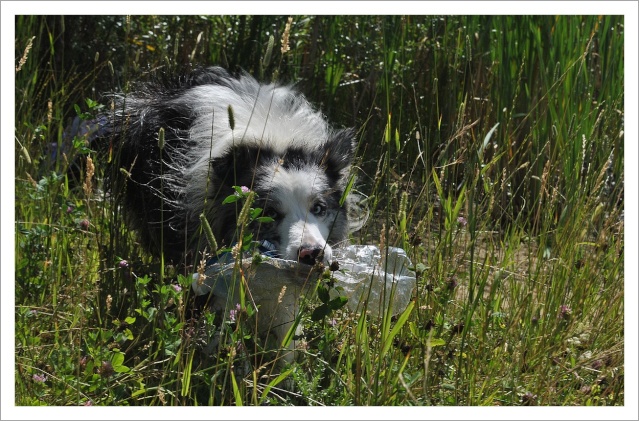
x: 309, y: 254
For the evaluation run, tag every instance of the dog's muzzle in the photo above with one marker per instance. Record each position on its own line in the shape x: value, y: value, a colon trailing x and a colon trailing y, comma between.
x: 310, y: 254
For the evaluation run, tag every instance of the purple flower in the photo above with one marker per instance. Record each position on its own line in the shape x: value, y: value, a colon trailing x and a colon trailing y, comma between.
x: 69, y: 209
x: 39, y: 378
x: 88, y: 403
x: 564, y: 312
x: 462, y: 221
x: 124, y: 264
x: 176, y: 287
x: 233, y: 313
x: 84, y: 224
x: 242, y: 192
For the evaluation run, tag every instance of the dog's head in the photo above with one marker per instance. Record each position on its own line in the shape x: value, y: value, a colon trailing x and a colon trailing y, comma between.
x: 300, y: 189
x: 270, y: 139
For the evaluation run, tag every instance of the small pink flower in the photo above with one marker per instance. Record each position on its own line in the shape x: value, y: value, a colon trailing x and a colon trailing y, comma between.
x: 69, y: 209
x: 234, y: 312
x: 84, y: 224
x: 39, y: 378
x: 123, y: 264
x: 462, y: 221
x: 176, y: 287
x: 565, y: 312
x: 245, y: 189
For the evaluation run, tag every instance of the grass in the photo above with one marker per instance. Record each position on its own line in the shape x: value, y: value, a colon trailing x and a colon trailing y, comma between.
x: 492, y: 151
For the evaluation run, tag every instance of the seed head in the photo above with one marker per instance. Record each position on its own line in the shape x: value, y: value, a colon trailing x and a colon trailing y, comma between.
x: 25, y: 54
x: 231, y: 117
x: 281, y: 296
x: 286, y: 35
x: 106, y: 369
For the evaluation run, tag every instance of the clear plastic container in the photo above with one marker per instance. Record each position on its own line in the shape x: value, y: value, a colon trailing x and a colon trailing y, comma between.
x: 374, y: 279
x: 371, y: 280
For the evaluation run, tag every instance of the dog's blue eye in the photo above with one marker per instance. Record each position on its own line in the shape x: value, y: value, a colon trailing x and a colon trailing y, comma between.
x: 318, y: 209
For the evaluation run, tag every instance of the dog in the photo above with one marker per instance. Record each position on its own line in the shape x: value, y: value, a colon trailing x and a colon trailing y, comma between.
x: 183, y: 145
x: 222, y: 131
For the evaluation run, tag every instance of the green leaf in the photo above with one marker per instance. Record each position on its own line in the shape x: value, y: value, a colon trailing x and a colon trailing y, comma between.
x: 118, y: 363
x: 395, y: 330
x: 320, y: 312
x: 128, y: 334
x: 186, y: 375
x: 91, y: 103
x: 236, y: 391
x: 337, y: 303
x: 436, y: 342
x: 438, y: 185
x: 117, y: 359
x: 138, y: 392
x: 459, y: 202
x: 121, y: 369
x: 480, y: 152
x: 230, y: 199
x: 144, y: 280
x: 291, y: 332
x: 387, y: 130
x: 246, y: 240
x: 322, y: 293
x: 347, y: 190
x: 274, y: 383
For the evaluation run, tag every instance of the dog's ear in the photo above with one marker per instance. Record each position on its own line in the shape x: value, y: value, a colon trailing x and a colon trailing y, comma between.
x: 338, y: 153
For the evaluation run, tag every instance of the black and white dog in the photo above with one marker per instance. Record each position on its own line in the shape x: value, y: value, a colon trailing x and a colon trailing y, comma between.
x: 222, y: 131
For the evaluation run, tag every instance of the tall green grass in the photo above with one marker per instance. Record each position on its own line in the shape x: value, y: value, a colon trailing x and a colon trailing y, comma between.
x: 491, y: 149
